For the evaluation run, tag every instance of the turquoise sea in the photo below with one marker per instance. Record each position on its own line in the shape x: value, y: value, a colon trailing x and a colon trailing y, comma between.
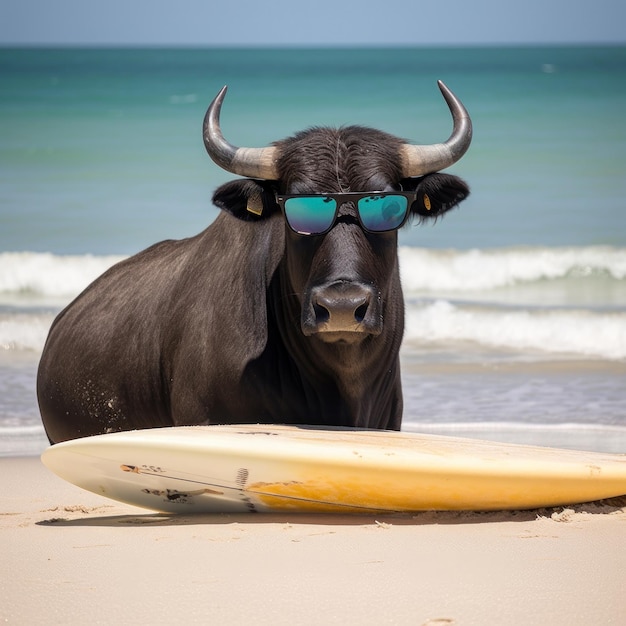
x: 516, y: 302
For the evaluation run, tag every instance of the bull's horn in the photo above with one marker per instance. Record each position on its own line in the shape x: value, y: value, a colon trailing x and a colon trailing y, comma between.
x: 251, y: 162
x: 419, y: 160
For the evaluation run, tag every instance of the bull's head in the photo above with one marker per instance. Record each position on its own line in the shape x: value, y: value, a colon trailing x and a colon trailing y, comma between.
x: 345, y: 274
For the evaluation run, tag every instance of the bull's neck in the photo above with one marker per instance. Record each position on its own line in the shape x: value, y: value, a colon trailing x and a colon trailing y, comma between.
x: 364, y: 374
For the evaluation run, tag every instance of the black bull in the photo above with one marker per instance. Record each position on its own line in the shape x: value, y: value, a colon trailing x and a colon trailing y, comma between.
x: 248, y: 321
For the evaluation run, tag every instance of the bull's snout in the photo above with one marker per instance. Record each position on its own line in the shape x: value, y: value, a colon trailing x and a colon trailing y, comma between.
x: 350, y: 309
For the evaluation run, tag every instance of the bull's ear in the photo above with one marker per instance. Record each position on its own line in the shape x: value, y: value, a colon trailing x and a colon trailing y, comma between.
x: 246, y: 199
x: 436, y: 194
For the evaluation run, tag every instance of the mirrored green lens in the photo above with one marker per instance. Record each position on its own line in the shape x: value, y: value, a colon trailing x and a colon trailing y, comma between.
x: 381, y: 213
x: 310, y: 215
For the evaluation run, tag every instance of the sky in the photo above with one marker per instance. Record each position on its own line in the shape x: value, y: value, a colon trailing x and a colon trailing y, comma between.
x: 310, y: 23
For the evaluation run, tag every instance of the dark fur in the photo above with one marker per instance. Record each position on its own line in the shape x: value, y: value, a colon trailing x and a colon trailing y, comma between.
x: 221, y: 327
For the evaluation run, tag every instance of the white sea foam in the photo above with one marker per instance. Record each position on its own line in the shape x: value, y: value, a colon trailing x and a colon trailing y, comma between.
x: 478, y: 270
x: 579, y: 332
x: 583, y: 334
x: 24, y: 331
x: 577, y: 329
x: 422, y: 269
x: 44, y: 274
x: 46, y: 281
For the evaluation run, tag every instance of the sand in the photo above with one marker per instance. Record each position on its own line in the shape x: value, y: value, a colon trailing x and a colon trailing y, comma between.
x: 72, y: 557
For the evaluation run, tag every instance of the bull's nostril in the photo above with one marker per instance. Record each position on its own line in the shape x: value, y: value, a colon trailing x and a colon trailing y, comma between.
x: 359, y: 314
x: 321, y: 314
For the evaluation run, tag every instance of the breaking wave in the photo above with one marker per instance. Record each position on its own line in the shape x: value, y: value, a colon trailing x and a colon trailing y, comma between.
x: 479, y: 270
x: 422, y: 269
x: 24, y: 331
x: 586, y: 334
x: 445, y: 297
x: 45, y: 274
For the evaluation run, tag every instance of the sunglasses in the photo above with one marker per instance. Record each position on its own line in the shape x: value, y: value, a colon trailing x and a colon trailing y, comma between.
x: 378, y: 211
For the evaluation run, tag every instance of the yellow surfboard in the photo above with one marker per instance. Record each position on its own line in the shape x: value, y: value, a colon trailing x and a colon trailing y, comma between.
x: 264, y: 468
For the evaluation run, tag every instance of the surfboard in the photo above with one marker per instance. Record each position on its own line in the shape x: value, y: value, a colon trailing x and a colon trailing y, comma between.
x: 265, y: 468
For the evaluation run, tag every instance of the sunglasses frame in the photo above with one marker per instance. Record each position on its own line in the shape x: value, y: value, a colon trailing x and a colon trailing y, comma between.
x: 344, y: 198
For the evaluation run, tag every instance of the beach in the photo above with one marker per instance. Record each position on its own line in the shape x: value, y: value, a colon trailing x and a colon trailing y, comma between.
x: 72, y: 557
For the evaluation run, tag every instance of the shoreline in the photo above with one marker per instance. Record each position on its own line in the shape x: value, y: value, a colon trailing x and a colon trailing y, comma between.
x: 74, y: 556
x: 570, y: 403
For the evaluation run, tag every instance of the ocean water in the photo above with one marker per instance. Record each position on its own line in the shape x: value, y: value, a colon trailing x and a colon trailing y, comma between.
x: 516, y: 302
